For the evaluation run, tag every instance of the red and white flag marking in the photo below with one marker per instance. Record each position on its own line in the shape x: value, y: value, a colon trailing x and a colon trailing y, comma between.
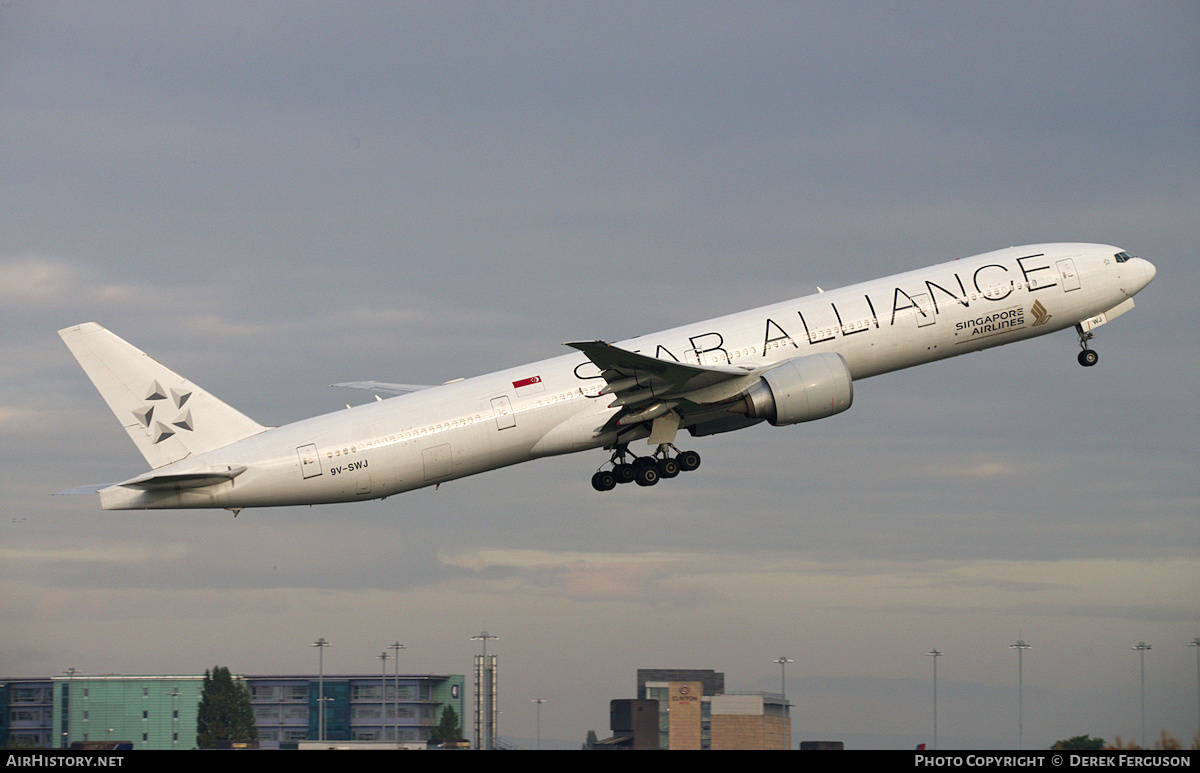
x: 529, y: 385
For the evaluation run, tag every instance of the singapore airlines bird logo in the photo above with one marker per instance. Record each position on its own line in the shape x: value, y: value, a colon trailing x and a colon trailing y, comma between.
x: 1040, y: 315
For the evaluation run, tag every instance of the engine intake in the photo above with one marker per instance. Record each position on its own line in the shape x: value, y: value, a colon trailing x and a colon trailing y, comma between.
x: 800, y: 389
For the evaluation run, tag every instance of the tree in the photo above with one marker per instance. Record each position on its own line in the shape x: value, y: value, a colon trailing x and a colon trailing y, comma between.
x: 590, y: 743
x: 225, y: 713
x: 1079, y: 743
x: 448, y: 729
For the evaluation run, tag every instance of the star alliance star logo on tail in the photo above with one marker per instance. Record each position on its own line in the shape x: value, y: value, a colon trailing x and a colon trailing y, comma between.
x: 145, y: 415
x: 1040, y: 315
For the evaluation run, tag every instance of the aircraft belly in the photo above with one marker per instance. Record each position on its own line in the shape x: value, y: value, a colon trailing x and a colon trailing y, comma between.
x: 571, y: 430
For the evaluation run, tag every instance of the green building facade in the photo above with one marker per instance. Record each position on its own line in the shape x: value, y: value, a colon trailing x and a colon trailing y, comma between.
x: 159, y: 712
x: 150, y: 712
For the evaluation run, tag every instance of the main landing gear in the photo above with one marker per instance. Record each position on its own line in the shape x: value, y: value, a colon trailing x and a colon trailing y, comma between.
x: 1087, y: 357
x: 645, y: 470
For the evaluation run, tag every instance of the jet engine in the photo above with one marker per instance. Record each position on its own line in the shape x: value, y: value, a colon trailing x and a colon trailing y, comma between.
x: 800, y: 389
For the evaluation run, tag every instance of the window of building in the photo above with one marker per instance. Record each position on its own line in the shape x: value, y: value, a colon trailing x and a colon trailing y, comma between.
x: 366, y: 692
x: 265, y: 692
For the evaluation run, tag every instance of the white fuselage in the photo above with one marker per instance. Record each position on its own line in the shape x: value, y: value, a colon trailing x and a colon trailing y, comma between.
x: 553, y: 406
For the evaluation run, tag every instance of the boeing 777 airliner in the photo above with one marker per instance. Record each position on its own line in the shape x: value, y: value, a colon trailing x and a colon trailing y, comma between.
x: 787, y: 363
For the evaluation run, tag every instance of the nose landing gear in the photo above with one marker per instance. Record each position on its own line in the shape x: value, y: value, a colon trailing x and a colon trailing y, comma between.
x: 1087, y: 358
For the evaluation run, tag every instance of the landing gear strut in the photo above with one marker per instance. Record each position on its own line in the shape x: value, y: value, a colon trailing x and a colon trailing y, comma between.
x: 644, y: 470
x: 1087, y: 357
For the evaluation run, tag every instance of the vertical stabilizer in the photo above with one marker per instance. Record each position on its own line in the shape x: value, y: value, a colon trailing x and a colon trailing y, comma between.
x: 168, y: 417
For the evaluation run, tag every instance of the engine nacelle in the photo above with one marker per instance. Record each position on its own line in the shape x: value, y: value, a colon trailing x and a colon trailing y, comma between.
x: 800, y: 389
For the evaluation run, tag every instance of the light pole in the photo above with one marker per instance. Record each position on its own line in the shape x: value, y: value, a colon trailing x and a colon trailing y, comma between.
x: 782, y: 661
x: 1020, y: 647
x: 320, y: 644
x: 66, y: 731
x: 1196, y: 643
x: 935, y: 655
x: 383, y: 659
x: 1141, y: 648
x: 397, y: 646
x: 484, y: 636
x: 539, y: 702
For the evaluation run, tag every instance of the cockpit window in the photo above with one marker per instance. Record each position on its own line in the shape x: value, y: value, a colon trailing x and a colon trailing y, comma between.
x: 1122, y: 256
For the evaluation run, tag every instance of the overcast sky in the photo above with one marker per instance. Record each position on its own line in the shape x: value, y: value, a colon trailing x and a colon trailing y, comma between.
x: 272, y: 197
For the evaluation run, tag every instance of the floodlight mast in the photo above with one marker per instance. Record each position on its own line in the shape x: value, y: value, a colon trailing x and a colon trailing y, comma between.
x: 320, y: 644
x: 935, y: 655
x: 1020, y: 647
x: 539, y: 702
x: 1141, y: 648
x: 397, y: 646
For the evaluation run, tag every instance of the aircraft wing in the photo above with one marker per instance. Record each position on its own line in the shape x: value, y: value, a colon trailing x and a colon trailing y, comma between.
x: 677, y: 377
x: 382, y: 388
x: 647, y: 387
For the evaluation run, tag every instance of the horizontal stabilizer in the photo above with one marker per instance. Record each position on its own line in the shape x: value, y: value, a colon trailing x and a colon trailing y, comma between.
x: 168, y: 417
x: 193, y: 479
x: 91, y: 488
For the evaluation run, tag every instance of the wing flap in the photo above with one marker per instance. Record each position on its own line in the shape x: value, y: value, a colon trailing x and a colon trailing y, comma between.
x: 647, y: 388
x: 665, y: 376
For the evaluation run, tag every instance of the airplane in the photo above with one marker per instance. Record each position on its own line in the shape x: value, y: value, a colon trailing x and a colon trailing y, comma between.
x: 784, y: 364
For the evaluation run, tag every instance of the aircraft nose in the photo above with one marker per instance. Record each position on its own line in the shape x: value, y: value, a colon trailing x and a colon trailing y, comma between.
x: 1143, y: 273
x: 1149, y: 270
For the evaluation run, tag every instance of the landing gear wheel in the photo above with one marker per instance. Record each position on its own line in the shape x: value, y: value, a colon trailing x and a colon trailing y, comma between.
x: 688, y: 460
x: 604, y: 481
x: 643, y: 462
x: 646, y: 475
x: 668, y: 468
x: 624, y: 473
x: 1088, y: 358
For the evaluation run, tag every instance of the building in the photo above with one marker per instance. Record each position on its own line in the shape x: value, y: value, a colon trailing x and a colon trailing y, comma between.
x: 693, y: 711
x: 150, y: 712
x: 159, y: 712
x: 27, y: 720
x: 357, y: 707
